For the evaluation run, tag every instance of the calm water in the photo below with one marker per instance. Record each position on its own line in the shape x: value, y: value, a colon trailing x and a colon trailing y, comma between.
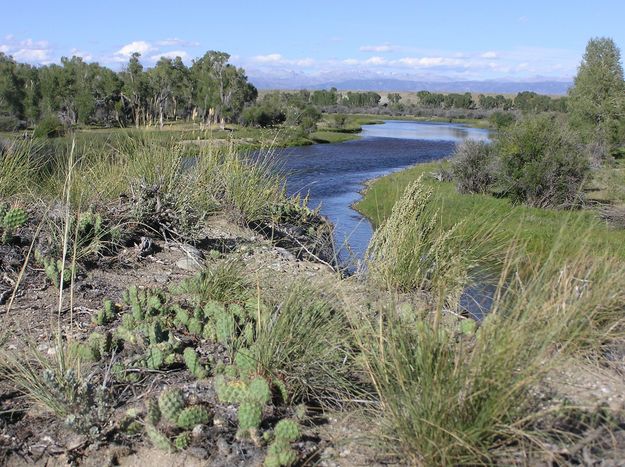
x: 334, y: 175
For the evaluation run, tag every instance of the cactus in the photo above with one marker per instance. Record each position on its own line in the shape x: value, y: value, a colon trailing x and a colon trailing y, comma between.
x: 195, y: 327
x: 249, y: 415
x: 192, y: 416
x: 280, y: 454
x: 11, y: 221
x: 106, y: 314
x: 244, y: 362
x: 153, y: 413
x: 182, y: 317
x: 230, y: 392
x: 125, y: 334
x: 84, y: 352
x: 183, y: 440
x: 53, y: 269
x: 155, y: 358
x: 101, y: 343
x: 156, y: 333
x: 192, y: 361
x: 287, y: 430
x: 158, y: 439
x: 171, y: 402
x: 258, y: 391
x: 468, y: 327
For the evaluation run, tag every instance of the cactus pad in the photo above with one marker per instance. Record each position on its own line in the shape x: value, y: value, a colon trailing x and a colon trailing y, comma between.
x: 287, y: 430
x: 14, y: 219
x: 171, y: 402
x: 158, y: 439
x: 250, y: 415
x: 192, y: 416
x: 183, y: 440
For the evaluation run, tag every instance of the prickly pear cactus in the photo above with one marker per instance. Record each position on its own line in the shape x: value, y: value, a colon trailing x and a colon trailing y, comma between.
x: 230, y: 392
x: 192, y: 416
x: 258, y: 391
x: 245, y: 363
x: 106, y: 314
x: 249, y: 415
x: 158, y: 439
x: 286, y: 429
x: 192, y: 361
x: 155, y: 358
x: 14, y: 219
x: 280, y: 454
x: 156, y: 333
x: 183, y: 440
x: 171, y: 403
x: 153, y: 413
x: 195, y: 327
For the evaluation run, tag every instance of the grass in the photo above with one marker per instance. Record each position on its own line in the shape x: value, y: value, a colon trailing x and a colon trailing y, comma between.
x: 447, y: 398
x: 537, y: 229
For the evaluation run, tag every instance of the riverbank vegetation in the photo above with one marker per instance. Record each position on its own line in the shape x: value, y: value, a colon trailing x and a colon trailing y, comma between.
x: 164, y: 301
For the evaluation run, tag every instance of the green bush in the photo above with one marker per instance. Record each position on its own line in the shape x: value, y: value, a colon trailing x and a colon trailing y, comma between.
x: 542, y: 163
x: 473, y: 167
x: 49, y: 126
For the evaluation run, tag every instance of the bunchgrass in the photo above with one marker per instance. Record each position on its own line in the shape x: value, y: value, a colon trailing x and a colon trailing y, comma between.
x: 412, y: 250
x: 303, y: 342
x: 446, y: 398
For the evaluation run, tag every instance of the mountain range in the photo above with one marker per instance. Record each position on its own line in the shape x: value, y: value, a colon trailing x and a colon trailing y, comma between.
x: 540, y: 85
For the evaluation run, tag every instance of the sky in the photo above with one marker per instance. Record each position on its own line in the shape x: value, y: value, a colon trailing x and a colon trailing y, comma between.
x: 453, y: 39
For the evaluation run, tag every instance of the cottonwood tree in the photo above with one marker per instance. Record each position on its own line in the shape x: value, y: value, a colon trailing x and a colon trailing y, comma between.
x: 597, y: 98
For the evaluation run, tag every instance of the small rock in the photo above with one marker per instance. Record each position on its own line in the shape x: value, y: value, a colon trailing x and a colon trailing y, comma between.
x: 188, y: 264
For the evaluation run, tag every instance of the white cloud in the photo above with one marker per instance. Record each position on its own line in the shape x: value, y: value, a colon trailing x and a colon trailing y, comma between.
x: 171, y: 54
x: 269, y: 58
x: 175, y: 42
x: 305, y: 62
x: 351, y: 61
x: 32, y: 55
x: 141, y: 47
x: 4, y: 48
x: 489, y: 54
x: 375, y: 61
x: 383, y: 48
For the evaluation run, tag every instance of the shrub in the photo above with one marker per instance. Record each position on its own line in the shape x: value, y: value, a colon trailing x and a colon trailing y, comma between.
x: 49, y: 126
x: 502, y: 119
x: 542, y: 163
x: 473, y: 167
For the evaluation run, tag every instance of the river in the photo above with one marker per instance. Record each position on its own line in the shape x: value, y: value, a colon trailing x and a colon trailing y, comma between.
x: 335, y: 174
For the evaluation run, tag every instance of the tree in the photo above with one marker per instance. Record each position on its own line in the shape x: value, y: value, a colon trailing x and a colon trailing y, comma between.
x: 135, y: 90
x: 597, y: 98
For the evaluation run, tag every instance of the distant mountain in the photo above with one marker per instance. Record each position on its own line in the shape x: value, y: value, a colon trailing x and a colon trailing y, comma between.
x: 503, y: 86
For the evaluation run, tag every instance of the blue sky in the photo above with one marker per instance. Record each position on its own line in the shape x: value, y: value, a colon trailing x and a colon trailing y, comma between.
x: 408, y: 39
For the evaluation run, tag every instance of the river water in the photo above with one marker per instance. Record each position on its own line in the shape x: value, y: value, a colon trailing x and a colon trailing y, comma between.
x: 335, y: 174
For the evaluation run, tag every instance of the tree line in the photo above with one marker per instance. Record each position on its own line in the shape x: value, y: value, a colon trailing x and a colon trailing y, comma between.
x: 211, y: 89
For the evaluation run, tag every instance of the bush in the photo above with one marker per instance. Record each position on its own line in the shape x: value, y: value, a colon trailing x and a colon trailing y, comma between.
x: 263, y: 116
x: 502, y: 119
x: 473, y: 167
x: 542, y: 163
x: 11, y: 123
x: 50, y: 126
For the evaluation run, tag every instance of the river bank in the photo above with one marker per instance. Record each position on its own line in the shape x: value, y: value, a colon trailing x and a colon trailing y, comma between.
x: 147, y: 318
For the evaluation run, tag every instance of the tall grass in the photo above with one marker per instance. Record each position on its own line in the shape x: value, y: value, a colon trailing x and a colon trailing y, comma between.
x: 411, y: 250
x: 450, y: 399
x: 303, y: 343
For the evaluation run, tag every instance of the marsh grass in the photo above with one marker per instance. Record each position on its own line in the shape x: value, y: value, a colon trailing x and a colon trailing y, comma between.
x: 412, y: 250
x: 449, y: 399
x: 303, y: 342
